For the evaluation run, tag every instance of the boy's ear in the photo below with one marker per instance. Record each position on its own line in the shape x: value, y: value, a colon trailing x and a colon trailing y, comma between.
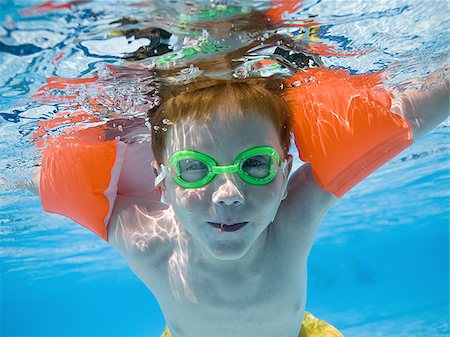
x: 156, y: 168
x: 286, y: 172
x: 288, y: 168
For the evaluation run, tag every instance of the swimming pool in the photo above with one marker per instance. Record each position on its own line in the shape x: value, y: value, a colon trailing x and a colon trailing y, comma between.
x: 380, y: 265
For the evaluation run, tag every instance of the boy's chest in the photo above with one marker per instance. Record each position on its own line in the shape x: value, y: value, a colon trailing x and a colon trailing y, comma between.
x: 265, y: 299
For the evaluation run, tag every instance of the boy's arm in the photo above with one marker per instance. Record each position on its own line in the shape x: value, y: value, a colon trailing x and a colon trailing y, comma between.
x: 32, y: 185
x: 83, y: 172
x: 424, y: 109
x: 346, y: 126
x: 309, y: 200
x: 137, y: 226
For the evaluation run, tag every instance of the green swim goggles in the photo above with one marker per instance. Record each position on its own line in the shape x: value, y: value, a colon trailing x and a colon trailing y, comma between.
x: 192, y: 169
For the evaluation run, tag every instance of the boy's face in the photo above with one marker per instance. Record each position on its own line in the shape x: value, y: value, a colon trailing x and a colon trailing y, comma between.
x: 226, y: 199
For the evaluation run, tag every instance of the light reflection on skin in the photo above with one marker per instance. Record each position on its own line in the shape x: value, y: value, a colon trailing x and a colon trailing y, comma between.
x: 180, y: 275
x: 149, y: 229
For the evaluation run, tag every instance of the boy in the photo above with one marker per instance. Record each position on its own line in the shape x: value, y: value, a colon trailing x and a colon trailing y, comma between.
x: 228, y: 257
x: 226, y: 253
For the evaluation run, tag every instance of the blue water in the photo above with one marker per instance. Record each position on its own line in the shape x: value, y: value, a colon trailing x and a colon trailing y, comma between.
x: 380, y: 264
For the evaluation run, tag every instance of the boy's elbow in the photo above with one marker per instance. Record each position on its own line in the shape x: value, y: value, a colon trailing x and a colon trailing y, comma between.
x: 424, y: 110
x: 422, y: 126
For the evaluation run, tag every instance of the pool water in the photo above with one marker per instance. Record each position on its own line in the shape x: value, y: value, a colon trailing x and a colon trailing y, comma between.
x: 380, y: 264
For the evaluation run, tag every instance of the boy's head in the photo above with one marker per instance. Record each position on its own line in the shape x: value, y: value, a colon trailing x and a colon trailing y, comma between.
x: 223, y: 119
x: 205, y: 100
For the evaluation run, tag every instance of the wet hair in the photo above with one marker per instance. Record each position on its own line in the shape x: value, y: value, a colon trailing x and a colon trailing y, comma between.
x: 200, y: 100
x: 182, y: 98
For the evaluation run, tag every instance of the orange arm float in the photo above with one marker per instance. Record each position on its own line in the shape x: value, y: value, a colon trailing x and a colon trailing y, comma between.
x: 82, y: 173
x: 279, y: 7
x: 343, y: 126
x: 76, y: 178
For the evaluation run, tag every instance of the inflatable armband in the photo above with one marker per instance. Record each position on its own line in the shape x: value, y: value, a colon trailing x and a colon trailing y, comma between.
x: 343, y: 126
x: 82, y: 173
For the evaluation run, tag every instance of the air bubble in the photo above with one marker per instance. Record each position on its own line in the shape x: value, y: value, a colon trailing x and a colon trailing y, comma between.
x: 241, y: 73
x: 167, y: 121
x: 186, y: 70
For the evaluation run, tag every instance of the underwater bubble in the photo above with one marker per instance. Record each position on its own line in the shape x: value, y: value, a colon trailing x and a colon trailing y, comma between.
x: 190, y: 70
x: 171, y: 79
x: 167, y: 121
x: 241, y: 73
x: 140, y: 138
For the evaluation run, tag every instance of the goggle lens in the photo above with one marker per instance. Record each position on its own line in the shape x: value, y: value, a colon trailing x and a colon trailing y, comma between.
x: 192, y: 170
x: 258, y: 166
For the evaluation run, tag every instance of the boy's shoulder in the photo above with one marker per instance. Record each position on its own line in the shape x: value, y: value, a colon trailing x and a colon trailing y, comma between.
x: 303, y: 209
x: 305, y: 197
x: 141, y: 228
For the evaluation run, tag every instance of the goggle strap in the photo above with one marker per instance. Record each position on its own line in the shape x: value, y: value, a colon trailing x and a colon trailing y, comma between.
x: 161, y: 176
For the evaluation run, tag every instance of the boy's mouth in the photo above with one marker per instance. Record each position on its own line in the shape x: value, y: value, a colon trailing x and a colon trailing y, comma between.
x: 222, y: 227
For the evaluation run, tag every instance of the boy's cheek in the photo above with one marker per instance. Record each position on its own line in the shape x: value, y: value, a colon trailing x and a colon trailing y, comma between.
x: 186, y: 200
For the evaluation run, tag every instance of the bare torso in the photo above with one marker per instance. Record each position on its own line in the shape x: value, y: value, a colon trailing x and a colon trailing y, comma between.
x: 261, y: 294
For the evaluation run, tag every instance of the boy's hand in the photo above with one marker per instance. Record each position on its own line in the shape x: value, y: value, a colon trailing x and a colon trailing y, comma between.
x: 31, y: 185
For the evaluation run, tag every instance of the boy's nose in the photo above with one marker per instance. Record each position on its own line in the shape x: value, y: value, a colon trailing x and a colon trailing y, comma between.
x: 228, y: 194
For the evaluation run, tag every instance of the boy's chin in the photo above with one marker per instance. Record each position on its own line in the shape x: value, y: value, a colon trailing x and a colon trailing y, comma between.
x: 228, y: 251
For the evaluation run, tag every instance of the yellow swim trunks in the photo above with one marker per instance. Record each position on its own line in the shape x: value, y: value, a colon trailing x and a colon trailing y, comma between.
x: 311, y: 327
